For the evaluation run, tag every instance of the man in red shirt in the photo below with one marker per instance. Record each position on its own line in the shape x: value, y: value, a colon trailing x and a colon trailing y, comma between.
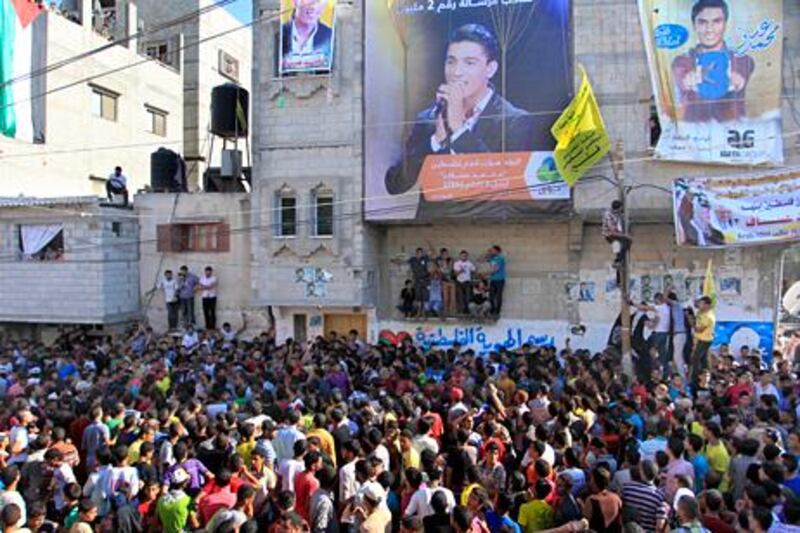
x: 306, y: 484
x: 744, y: 383
x: 221, y: 497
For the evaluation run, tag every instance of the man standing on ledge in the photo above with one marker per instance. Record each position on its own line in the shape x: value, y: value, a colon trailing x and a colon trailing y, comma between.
x: 497, y: 279
x: 703, y: 335
x: 468, y: 115
x: 207, y: 286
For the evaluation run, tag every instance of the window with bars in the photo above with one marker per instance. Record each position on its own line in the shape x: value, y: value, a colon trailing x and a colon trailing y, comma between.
x: 203, y: 237
x: 323, y: 214
x: 104, y: 103
x: 287, y: 216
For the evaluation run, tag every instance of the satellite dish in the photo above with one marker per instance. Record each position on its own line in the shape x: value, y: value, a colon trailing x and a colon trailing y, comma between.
x: 791, y: 300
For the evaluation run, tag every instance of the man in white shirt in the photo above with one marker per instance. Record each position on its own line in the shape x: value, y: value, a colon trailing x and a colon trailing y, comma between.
x: 170, y: 287
x: 348, y: 482
x: 117, y: 183
x: 208, y: 295
x: 190, y: 339
x: 463, y: 269
x: 660, y: 336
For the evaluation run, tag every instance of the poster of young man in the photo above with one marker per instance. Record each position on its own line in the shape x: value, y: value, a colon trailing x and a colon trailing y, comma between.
x: 307, y: 31
x: 459, y: 109
x: 716, y: 71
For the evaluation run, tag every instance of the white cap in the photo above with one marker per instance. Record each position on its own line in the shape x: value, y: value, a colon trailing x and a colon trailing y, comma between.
x: 180, y: 476
x: 374, y: 492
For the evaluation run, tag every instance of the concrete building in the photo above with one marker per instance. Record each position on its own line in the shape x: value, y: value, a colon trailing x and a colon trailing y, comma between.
x: 223, y: 55
x: 67, y: 261
x: 198, y: 230
x: 308, y: 137
x: 99, y: 113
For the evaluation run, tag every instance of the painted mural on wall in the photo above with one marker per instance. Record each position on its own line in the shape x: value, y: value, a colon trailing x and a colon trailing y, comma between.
x: 315, y: 280
x: 753, y: 334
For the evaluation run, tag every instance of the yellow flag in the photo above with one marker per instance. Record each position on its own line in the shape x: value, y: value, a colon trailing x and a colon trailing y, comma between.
x: 709, y: 289
x: 581, y: 135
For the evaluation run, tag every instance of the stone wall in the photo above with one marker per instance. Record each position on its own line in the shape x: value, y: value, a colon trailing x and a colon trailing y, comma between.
x: 97, y: 281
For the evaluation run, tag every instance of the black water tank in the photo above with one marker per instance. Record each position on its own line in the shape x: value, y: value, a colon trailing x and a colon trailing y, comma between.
x: 226, y: 121
x: 167, y: 171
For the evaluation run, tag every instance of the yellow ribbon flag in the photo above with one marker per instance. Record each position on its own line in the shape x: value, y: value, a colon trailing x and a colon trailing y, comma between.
x: 581, y: 135
x: 709, y: 289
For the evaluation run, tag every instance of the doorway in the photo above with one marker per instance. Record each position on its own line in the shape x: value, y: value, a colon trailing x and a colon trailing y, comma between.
x: 342, y: 323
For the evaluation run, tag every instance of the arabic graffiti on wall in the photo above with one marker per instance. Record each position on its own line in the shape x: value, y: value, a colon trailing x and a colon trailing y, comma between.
x: 508, y: 334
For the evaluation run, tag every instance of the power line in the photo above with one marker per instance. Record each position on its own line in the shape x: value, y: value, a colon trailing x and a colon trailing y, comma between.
x: 412, y: 192
x: 363, y: 127
x: 302, y: 223
x: 122, y: 41
x: 198, y: 42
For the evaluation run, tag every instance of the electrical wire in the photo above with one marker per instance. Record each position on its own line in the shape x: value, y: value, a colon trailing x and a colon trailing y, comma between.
x: 301, y: 223
x: 361, y: 199
x: 121, y: 41
x: 263, y: 18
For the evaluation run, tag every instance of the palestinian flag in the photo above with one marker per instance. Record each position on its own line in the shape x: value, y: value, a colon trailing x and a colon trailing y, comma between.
x: 22, y: 51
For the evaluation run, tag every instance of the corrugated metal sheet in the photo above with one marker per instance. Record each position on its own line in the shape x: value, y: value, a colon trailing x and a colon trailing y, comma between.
x: 28, y: 201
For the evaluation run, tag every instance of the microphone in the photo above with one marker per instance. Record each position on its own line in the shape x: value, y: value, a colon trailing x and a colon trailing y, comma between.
x: 440, y: 108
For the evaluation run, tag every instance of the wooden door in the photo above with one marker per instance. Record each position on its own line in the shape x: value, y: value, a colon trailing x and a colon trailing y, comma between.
x: 342, y: 323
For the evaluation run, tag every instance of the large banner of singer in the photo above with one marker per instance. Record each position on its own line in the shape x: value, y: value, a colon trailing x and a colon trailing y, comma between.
x: 307, y: 32
x: 716, y: 72
x: 460, y: 98
x: 758, y: 208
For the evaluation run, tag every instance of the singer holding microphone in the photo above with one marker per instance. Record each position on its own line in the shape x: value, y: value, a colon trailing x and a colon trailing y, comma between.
x: 468, y: 114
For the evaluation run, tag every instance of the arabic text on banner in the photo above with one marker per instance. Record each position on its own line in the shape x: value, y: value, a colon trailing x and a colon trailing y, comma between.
x: 751, y: 209
x: 581, y: 135
x: 716, y: 74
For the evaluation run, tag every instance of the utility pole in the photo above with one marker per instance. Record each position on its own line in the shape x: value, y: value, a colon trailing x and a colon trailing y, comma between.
x: 618, y: 166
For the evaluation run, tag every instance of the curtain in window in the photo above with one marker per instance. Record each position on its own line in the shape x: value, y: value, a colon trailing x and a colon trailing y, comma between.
x: 36, y: 236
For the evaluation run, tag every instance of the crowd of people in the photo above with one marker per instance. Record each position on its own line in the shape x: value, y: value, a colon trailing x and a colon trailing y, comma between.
x: 138, y: 433
x: 444, y: 286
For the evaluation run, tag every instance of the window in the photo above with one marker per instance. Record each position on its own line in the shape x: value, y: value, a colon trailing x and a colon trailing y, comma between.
x: 204, y: 237
x: 323, y: 214
x: 104, y: 103
x: 116, y: 228
x: 158, y: 51
x: 41, y: 242
x: 287, y: 216
x: 156, y: 121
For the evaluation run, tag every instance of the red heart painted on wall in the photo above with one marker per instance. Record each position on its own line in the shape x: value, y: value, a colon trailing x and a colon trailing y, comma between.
x: 394, y: 339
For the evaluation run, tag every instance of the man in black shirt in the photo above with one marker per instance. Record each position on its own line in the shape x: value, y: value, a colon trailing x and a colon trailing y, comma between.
x: 419, y: 271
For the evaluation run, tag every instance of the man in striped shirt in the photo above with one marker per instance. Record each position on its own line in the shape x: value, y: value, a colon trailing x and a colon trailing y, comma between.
x: 644, y: 499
